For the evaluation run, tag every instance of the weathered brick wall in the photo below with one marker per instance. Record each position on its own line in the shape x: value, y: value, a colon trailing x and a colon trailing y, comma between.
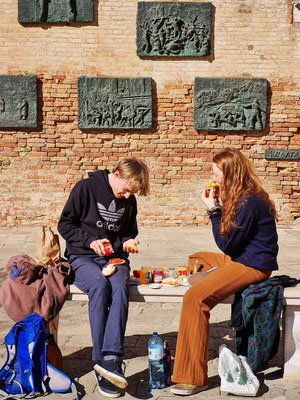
x: 40, y: 166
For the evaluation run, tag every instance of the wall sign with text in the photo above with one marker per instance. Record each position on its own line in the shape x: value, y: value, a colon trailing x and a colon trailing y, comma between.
x: 277, y: 154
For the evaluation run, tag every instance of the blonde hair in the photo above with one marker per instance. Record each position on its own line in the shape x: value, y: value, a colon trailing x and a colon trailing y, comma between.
x: 239, y: 181
x: 136, y: 172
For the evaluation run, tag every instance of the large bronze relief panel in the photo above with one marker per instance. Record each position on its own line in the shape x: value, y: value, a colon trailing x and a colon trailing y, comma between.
x: 230, y: 103
x: 173, y: 29
x: 121, y: 103
x: 52, y: 11
x: 18, y: 101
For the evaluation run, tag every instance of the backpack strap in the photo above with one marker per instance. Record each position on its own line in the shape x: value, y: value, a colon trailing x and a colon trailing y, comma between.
x: 7, y: 396
x: 74, y: 391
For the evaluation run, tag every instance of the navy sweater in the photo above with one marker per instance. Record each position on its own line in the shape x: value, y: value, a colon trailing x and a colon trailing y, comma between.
x: 253, y: 238
x: 93, y: 212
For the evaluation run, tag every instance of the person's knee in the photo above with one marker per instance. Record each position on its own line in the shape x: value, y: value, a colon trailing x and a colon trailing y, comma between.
x: 98, y: 287
x: 192, y: 297
x: 120, y: 287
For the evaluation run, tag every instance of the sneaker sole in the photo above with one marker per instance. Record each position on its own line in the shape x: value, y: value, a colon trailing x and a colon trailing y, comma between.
x: 188, y: 392
x: 110, y: 395
x: 111, y: 377
x: 105, y: 394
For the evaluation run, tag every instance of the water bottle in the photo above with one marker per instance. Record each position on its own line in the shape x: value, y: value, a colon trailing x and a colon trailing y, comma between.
x: 156, y: 362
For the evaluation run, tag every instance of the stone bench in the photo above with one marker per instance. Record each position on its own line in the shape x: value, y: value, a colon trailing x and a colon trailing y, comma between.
x: 290, y: 317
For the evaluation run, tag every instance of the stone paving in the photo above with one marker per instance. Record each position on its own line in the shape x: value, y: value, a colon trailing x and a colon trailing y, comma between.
x: 160, y: 246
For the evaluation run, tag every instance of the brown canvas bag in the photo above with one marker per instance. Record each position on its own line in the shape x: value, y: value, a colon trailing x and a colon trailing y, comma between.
x: 194, y: 264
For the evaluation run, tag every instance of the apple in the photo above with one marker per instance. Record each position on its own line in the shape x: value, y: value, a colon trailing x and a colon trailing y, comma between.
x: 136, y: 273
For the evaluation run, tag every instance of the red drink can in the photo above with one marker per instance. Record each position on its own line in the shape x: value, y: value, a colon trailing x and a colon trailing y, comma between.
x: 108, y: 248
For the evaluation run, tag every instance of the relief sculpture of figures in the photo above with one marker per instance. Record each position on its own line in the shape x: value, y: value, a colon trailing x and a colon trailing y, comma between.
x: 23, y: 110
x: 18, y: 101
x: 52, y: 11
x: 44, y: 9
x: 2, y: 105
x: 173, y: 29
x: 230, y: 103
x: 124, y: 103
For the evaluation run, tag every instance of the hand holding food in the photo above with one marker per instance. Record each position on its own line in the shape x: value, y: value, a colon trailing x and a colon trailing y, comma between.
x: 209, y: 197
x: 99, y: 246
x: 214, y: 187
x: 130, y: 246
x: 108, y: 248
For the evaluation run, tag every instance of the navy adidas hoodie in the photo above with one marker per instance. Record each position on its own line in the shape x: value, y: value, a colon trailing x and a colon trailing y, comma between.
x: 93, y: 212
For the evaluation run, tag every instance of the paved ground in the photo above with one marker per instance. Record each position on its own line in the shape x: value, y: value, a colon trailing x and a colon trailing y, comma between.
x: 159, y: 247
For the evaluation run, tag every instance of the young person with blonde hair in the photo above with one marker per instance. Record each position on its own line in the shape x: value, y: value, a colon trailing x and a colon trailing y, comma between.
x: 244, y: 229
x: 102, y: 210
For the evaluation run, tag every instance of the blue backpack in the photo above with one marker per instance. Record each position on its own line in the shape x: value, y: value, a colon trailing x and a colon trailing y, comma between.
x: 26, y: 370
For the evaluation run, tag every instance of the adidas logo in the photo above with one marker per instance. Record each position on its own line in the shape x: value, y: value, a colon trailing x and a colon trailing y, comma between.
x: 111, y: 214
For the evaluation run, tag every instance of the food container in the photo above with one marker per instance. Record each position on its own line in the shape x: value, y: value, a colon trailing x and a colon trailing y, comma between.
x: 172, y: 272
x: 145, y: 275
x: 158, y: 275
x: 182, y: 272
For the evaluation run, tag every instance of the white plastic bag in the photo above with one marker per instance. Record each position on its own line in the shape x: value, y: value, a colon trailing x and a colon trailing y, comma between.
x: 236, y: 375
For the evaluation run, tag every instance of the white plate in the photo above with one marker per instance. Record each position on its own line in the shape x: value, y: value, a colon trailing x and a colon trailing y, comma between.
x: 155, y: 285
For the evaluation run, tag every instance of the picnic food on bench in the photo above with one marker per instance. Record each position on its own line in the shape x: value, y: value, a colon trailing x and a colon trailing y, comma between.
x: 214, y: 186
x: 109, y: 270
x: 136, y: 273
x: 158, y: 275
x: 182, y: 271
x: 146, y: 275
x: 169, y: 281
x: 116, y: 261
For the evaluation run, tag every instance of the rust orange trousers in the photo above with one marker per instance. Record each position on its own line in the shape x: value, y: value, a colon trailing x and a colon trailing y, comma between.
x: 191, y: 355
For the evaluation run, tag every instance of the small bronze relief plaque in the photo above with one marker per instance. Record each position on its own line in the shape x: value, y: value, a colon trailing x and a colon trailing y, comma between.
x: 173, y: 29
x: 277, y: 154
x: 52, y: 11
x: 123, y: 103
x: 230, y: 103
x: 18, y: 101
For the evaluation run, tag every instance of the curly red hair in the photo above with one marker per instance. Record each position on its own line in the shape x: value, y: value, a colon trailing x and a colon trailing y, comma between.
x: 239, y: 181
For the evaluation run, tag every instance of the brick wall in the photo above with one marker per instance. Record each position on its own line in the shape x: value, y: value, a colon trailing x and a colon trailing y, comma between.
x: 40, y: 166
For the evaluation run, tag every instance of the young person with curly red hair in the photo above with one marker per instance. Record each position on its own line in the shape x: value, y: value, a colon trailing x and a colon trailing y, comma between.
x: 243, y: 224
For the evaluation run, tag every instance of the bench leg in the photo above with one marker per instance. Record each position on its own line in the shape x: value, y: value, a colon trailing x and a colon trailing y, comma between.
x: 291, y: 337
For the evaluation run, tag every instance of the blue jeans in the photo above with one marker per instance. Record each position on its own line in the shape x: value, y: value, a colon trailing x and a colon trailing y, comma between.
x: 108, y: 302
